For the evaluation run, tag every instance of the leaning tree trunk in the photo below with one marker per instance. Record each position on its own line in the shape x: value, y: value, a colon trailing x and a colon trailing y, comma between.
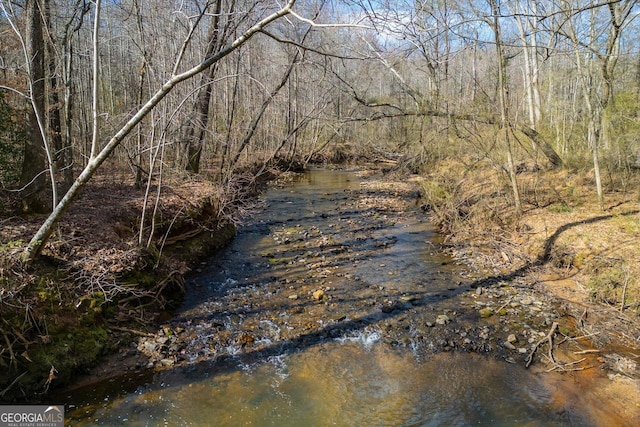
x: 37, y: 242
x: 256, y: 120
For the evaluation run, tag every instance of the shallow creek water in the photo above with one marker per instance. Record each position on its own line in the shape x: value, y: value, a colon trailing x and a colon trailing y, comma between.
x: 344, y: 373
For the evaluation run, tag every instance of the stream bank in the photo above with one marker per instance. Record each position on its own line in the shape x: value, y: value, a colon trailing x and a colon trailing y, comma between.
x: 95, y: 283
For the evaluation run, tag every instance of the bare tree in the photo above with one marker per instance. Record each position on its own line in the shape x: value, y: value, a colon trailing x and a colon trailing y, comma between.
x: 33, y: 178
x: 526, y: 17
x: 99, y: 156
x: 607, y: 55
x: 505, y: 123
x: 196, y: 130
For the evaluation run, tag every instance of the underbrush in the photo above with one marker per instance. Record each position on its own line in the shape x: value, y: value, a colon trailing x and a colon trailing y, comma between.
x: 614, y: 282
x: 561, y: 229
x: 465, y: 201
x: 117, y: 262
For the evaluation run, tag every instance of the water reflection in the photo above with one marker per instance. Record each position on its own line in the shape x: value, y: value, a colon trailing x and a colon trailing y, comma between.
x: 343, y: 384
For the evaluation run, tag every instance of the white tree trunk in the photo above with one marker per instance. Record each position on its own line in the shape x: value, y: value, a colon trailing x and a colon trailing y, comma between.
x: 35, y: 246
x: 504, y: 115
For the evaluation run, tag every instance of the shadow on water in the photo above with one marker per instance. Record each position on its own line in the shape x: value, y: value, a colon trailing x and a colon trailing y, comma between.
x: 321, y: 377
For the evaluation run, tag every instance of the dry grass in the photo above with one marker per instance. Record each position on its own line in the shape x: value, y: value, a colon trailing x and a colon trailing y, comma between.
x: 562, y: 230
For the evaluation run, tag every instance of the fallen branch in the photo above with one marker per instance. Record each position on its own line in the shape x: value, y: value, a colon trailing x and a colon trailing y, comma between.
x: 504, y: 305
x: 10, y: 348
x: 549, y: 338
x: 564, y: 369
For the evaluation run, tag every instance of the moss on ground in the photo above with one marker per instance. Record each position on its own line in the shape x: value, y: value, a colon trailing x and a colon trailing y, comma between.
x: 54, y: 329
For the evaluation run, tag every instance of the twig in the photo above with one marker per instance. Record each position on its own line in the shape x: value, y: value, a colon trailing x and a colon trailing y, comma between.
x: 132, y: 331
x: 586, y: 336
x: 624, y: 290
x: 581, y: 319
x: 581, y: 368
x: 504, y: 305
x: 586, y: 351
x: 564, y: 366
x: 574, y: 363
x: 10, y: 348
x: 549, y: 338
x: 3, y: 392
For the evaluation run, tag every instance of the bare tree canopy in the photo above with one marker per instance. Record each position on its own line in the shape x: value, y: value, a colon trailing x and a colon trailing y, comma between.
x: 548, y: 81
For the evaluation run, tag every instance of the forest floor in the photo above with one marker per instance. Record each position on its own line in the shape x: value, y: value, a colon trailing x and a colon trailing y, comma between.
x: 563, y: 241
x: 564, y: 246
x: 94, y: 281
x: 563, y: 261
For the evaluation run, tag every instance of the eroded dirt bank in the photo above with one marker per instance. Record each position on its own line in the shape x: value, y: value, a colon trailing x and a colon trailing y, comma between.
x: 327, y: 276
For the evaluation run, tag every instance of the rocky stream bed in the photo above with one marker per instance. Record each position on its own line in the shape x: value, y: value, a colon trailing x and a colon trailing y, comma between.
x: 322, y: 273
x: 333, y: 259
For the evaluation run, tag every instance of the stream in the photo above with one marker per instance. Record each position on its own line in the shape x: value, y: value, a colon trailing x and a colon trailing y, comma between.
x: 334, y: 305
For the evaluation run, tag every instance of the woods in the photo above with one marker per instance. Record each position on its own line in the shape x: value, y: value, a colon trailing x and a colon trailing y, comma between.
x: 222, y: 91
x: 420, y: 71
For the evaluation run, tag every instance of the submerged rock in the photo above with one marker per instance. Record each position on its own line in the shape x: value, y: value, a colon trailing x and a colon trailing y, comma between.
x: 486, y: 312
x: 442, y: 319
x: 319, y: 295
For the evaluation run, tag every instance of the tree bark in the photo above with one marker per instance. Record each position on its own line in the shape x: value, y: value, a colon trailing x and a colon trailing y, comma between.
x: 140, y: 99
x: 81, y: 8
x: 95, y: 138
x: 55, y: 115
x: 32, y: 178
x: 196, y: 132
x: 504, y: 114
x: 528, y: 35
x: 549, y: 152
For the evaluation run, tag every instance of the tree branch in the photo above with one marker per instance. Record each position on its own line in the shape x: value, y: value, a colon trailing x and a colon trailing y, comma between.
x: 36, y: 244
